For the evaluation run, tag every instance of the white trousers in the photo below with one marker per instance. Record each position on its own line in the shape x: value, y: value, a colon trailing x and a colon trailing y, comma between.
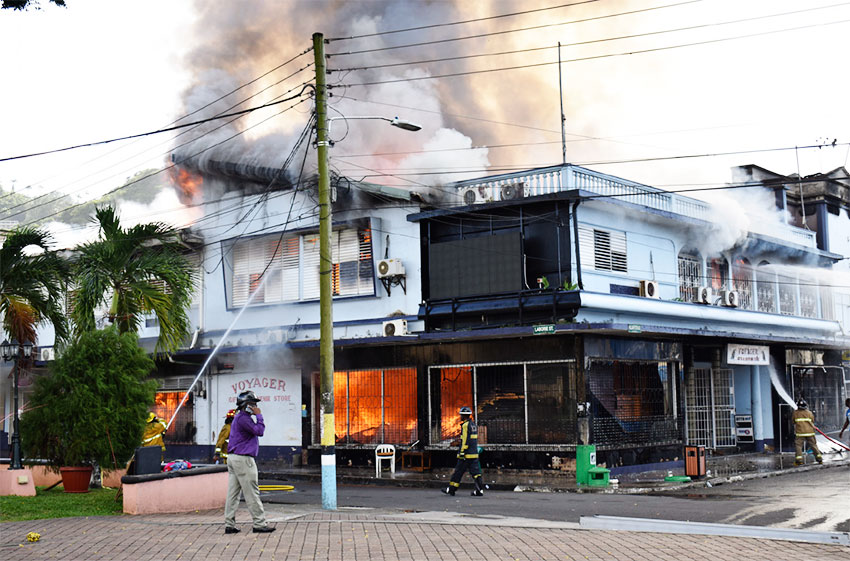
x: 242, y: 478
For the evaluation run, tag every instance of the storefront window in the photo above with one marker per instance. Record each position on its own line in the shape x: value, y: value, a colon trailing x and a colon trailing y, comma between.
x: 633, y: 402
x: 514, y: 403
x: 375, y: 406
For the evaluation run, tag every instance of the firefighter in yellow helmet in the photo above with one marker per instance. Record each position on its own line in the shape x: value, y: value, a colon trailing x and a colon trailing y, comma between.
x: 467, y: 456
x: 154, y: 430
x: 804, y: 431
x: 220, y: 455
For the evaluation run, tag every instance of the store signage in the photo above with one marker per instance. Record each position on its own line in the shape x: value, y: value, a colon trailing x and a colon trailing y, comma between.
x: 544, y: 329
x: 747, y: 354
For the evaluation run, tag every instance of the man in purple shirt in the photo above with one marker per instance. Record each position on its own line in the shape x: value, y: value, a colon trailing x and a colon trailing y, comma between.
x: 242, y: 464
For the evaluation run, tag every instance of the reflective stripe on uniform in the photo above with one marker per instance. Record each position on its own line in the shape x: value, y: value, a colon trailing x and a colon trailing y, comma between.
x: 799, y: 434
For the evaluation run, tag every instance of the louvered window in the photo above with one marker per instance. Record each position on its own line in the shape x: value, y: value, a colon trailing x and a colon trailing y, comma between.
x: 604, y: 250
x: 287, y: 269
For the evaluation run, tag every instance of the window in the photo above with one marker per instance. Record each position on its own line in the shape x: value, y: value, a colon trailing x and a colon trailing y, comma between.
x: 280, y: 269
x: 514, y: 403
x: 742, y: 282
x: 607, y: 248
x: 375, y: 406
x: 690, y: 276
x: 766, y: 288
x: 718, y: 273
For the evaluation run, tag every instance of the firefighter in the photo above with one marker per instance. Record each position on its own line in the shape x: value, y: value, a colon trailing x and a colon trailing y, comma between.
x: 804, y: 431
x: 154, y: 430
x: 847, y: 420
x: 220, y: 455
x: 467, y: 456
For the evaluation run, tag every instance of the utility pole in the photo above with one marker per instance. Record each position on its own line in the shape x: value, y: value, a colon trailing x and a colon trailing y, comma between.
x: 326, y: 334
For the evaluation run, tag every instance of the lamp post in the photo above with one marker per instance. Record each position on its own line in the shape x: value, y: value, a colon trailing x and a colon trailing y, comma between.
x: 13, y: 351
x: 326, y: 343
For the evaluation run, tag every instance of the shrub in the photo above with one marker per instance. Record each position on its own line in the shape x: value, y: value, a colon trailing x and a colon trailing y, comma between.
x: 93, y: 404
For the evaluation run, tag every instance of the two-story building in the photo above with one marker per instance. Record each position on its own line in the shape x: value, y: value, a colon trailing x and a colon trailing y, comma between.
x: 564, y: 305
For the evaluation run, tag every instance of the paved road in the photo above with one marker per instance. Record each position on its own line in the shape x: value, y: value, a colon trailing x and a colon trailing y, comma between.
x: 815, y: 500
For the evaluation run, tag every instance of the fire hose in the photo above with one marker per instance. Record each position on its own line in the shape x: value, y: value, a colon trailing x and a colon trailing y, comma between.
x: 831, y: 439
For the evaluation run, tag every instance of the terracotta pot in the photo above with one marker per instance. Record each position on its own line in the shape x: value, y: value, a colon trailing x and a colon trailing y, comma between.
x: 76, y: 479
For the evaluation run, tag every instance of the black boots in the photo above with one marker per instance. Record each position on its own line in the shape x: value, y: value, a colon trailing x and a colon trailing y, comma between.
x: 449, y: 491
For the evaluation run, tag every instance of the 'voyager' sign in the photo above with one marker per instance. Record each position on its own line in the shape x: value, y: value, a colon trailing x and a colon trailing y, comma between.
x: 747, y: 354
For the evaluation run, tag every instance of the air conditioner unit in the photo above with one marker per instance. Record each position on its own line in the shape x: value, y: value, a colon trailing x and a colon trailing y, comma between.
x: 730, y: 298
x: 476, y: 195
x: 649, y: 289
x: 512, y: 191
x: 395, y: 327
x: 703, y: 295
x: 390, y: 268
x: 47, y: 354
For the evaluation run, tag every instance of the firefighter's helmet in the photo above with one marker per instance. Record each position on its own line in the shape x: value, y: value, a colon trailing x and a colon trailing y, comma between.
x: 230, y: 414
x: 465, y: 410
x: 246, y: 398
x: 151, y: 416
x: 801, y: 404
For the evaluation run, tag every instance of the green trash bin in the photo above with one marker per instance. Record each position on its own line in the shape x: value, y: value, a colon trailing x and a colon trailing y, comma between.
x: 586, y: 471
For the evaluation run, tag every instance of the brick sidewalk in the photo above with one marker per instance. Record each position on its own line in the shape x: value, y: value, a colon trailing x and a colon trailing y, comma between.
x: 308, y: 533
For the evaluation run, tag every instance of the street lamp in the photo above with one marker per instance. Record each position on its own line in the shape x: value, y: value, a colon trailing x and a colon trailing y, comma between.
x: 12, y: 351
x: 396, y: 122
x: 326, y: 342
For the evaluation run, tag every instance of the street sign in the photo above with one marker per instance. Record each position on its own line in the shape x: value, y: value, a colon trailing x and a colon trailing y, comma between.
x: 544, y: 329
x: 634, y: 328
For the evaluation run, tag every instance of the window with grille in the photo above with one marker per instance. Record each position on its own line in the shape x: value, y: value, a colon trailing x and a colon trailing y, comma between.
x: 280, y: 269
x: 690, y: 276
x: 513, y: 403
x: 375, y: 406
x: 742, y: 281
x: 766, y: 288
x: 607, y: 249
x: 718, y: 273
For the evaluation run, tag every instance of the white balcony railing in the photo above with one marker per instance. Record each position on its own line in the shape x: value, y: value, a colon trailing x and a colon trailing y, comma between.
x: 543, y: 181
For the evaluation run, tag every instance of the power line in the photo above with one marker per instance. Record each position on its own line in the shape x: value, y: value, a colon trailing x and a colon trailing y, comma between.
x: 594, y: 57
x: 433, y: 26
x: 159, y: 131
x: 516, y: 30
x: 167, y: 167
x: 592, y: 41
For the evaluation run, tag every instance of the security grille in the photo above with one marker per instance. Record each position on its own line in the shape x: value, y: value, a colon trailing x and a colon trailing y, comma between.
x: 710, y: 407
x: 690, y: 277
x: 821, y: 387
x: 632, y: 402
x: 375, y: 406
x: 514, y: 403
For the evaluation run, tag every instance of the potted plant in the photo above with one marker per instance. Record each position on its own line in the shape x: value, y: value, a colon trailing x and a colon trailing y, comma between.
x: 92, y: 406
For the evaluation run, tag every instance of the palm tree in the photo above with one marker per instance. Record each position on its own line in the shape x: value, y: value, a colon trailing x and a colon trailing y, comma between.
x: 32, y: 286
x: 143, y: 270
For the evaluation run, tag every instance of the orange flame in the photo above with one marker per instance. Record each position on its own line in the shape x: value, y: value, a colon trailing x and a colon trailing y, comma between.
x: 189, y: 183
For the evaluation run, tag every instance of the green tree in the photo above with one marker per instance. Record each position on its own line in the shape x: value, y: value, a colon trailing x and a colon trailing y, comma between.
x: 143, y: 269
x: 32, y: 286
x: 94, y: 403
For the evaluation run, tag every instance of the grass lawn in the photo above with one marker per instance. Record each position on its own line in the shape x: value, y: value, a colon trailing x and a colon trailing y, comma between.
x: 56, y: 503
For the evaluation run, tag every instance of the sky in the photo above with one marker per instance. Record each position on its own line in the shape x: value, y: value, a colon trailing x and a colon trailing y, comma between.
x: 641, y: 101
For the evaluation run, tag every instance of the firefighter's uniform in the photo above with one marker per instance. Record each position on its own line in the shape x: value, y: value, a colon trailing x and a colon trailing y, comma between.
x: 153, y: 432
x: 804, y: 431
x: 467, y: 458
x: 224, y: 437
